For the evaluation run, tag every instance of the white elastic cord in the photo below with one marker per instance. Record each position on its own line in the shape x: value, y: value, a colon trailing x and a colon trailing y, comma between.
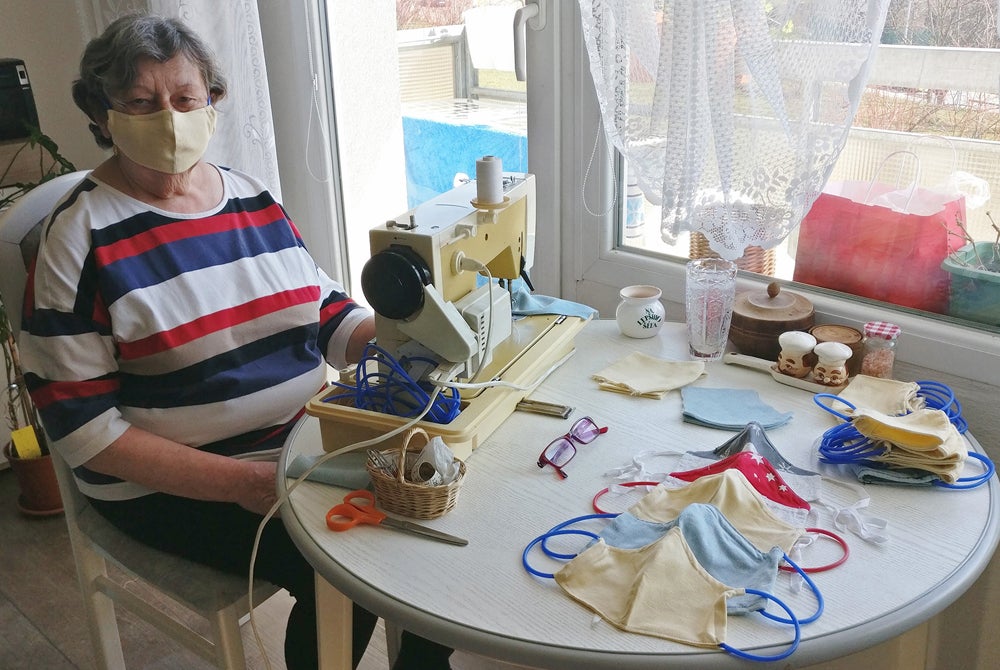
x: 636, y: 470
x: 850, y: 518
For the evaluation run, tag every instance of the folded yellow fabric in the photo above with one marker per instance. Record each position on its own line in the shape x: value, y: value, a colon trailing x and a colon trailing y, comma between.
x: 640, y: 375
x: 883, y: 395
x: 925, y: 439
x: 924, y: 430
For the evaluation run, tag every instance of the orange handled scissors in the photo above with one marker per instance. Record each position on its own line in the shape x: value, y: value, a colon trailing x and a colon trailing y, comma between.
x: 359, y: 507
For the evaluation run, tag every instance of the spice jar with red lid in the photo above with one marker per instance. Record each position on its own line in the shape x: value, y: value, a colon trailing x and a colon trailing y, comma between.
x: 879, y: 349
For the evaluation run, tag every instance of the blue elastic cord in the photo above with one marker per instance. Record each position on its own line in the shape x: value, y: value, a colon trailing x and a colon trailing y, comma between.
x: 564, y: 524
x: 815, y: 589
x: 559, y: 529
x: 387, y: 388
x: 971, y: 482
x: 542, y: 538
x: 819, y: 396
x: 777, y: 657
x: 844, y: 444
x: 940, y: 396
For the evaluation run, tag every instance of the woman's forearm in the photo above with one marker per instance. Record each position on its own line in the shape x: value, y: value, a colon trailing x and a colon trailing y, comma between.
x: 178, y: 469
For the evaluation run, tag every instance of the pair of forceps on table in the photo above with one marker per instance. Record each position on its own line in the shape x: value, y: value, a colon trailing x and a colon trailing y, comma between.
x: 359, y: 507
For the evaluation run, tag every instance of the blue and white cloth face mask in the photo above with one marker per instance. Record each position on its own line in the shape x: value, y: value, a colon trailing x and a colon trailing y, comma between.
x: 718, y: 547
x: 675, y: 580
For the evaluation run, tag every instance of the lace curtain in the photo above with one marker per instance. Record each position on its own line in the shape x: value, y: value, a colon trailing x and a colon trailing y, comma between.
x: 244, y: 138
x: 730, y: 113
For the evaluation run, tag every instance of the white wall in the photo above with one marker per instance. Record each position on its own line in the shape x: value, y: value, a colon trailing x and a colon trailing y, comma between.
x: 48, y: 37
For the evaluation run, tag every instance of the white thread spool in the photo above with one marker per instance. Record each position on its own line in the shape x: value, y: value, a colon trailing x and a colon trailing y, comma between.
x: 424, y: 472
x: 489, y: 180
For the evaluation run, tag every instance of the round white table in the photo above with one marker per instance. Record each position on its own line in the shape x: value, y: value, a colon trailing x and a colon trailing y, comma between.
x: 479, y: 597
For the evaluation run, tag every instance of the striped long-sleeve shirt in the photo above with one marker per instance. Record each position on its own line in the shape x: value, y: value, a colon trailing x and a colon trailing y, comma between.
x: 209, y: 329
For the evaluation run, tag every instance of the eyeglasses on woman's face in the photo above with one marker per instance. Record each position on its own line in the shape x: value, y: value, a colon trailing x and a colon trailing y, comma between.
x: 561, y: 450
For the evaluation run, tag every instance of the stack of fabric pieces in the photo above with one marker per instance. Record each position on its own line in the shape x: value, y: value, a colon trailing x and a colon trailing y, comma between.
x: 646, y: 376
x: 924, y: 440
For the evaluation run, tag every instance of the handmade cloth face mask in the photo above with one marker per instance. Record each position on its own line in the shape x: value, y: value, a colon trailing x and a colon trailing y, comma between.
x: 165, y: 141
x: 806, y: 483
x: 718, y: 547
x: 671, y: 580
x: 735, y: 497
x: 758, y: 471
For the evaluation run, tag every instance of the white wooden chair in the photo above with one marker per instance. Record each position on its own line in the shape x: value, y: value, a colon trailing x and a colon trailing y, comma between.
x: 219, y: 598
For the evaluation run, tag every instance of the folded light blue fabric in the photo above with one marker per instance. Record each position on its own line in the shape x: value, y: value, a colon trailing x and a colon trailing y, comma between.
x: 729, y: 409
x: 346, y: 470
x: 525, y: 303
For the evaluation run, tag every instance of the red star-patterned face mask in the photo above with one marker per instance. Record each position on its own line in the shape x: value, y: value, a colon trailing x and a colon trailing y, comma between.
x: 758, y: 471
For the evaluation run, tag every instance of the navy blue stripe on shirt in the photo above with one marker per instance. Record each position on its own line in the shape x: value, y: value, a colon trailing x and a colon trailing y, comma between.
x: 165, y: 262
x: 232, y: 374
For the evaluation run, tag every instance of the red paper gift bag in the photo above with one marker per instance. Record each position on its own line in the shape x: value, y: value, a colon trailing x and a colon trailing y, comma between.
x: 873, y: 240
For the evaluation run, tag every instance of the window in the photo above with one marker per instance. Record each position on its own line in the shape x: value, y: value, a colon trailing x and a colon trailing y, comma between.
x: 598, y: 263
x: 584, y: 249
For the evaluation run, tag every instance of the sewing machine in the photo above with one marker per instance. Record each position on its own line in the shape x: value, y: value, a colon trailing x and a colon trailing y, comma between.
x: 422, y: 282
x: 426, y: 280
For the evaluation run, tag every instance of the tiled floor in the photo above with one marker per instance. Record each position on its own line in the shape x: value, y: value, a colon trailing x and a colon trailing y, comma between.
x: 41, y: 621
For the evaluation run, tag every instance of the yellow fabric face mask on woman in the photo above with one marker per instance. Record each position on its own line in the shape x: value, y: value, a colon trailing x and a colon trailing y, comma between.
x: 165, y: 141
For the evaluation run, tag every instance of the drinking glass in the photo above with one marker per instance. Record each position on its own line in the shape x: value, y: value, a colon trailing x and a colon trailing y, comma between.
x: 710, y: 291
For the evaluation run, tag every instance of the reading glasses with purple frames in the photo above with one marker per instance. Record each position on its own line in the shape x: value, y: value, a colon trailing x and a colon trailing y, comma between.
x: 561, y: 450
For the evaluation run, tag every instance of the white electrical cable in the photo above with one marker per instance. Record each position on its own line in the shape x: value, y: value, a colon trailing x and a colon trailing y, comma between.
x: 281, y: 500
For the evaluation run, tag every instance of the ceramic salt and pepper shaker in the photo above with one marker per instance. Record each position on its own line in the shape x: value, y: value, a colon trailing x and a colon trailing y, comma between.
x: 831, y: 366
x: 794, y: 358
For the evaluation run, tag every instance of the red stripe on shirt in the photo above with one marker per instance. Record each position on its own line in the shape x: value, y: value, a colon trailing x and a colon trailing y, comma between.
x: 221, y: 320
x: 333, y: 309
x: 184, y: 229
x: 56, y: 392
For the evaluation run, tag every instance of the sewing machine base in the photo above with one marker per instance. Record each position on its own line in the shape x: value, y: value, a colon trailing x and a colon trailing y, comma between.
x: 537, y: 343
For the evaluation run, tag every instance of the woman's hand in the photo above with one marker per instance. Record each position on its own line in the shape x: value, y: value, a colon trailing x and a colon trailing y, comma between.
x: 259, y: 493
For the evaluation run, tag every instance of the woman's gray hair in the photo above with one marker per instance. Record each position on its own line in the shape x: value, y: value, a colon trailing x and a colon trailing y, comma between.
x: 108, y: 66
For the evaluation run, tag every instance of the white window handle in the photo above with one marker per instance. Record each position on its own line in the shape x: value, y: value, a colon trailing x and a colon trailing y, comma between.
x: 532, y: 14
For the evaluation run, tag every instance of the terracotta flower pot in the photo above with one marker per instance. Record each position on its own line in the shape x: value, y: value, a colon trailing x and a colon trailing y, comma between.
x: 36, y: 478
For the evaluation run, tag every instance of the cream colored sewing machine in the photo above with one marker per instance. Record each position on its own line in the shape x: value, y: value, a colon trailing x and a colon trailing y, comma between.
x: 426, y: 282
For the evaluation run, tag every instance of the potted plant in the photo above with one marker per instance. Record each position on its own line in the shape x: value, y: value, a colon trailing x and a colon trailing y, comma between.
x: 27, y: 451
x: 50, y: 164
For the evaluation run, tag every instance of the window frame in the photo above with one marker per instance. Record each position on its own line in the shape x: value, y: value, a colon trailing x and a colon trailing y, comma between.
x: 583, y: 261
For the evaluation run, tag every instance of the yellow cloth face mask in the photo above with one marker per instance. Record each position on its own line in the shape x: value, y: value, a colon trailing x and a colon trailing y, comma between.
x: 165, y: 141
x: 658, y: 590
x: 735, y: 497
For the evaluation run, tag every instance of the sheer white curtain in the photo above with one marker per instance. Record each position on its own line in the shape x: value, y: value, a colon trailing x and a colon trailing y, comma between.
x: 731, y: 113
x: 244, y: 138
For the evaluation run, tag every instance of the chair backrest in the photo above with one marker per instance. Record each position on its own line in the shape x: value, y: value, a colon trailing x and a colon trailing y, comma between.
x: 16, y: 227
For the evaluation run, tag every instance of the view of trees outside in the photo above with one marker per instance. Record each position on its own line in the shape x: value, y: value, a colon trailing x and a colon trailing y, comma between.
x: 943, y: 23
x: 967, y: 24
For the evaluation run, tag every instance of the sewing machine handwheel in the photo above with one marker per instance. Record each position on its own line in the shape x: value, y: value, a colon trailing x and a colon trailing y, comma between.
x: 393, y: 282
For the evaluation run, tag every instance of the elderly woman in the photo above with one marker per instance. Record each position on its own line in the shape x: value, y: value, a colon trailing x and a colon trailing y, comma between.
x: 176, y: 326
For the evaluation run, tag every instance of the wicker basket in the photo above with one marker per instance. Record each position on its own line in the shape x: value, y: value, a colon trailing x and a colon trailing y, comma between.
x: 754, y: 259
x: 398, y: 495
